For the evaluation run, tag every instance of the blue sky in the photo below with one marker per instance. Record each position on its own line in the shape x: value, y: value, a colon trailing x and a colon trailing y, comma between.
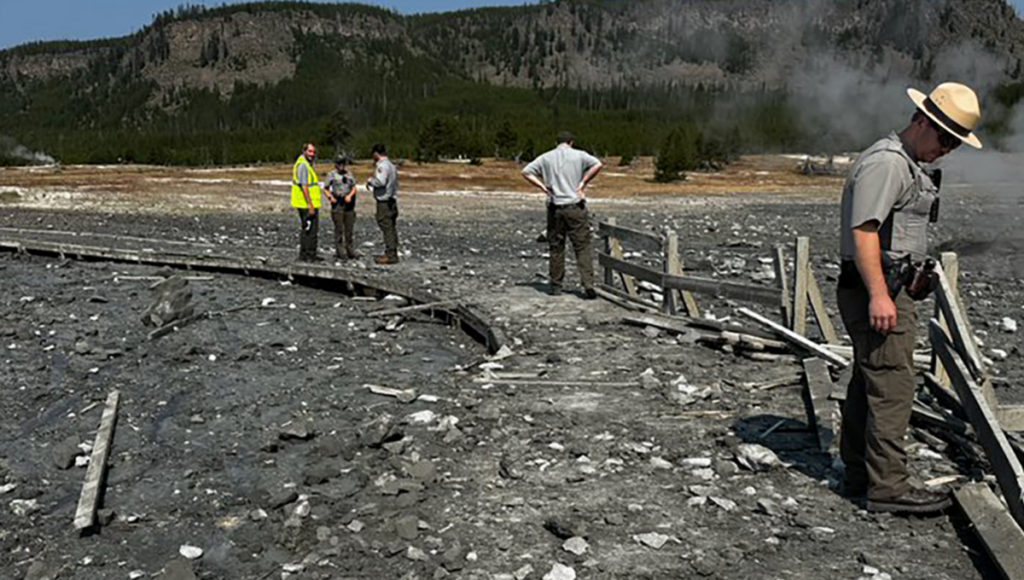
x: 22, y: 22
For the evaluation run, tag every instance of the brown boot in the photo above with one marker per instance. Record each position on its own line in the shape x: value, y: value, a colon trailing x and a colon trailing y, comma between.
x: 385, y: 261
x: 915, y: 501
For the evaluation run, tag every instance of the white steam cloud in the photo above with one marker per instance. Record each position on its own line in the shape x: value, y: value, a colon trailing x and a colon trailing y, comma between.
x: 11, y: 148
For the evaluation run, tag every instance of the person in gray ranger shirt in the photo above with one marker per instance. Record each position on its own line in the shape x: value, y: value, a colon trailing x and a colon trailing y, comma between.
x: 888, y: 201
x: 563, y: 174
x: 341, y: 185
x: 384, y: 185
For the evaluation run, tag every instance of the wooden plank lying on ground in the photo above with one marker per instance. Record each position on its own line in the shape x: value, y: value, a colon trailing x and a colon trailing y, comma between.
x: 1001, y: 456
x: 998, y: 532
x: 88, y: 502
x: 644, y: 241
x: 735, y: 291
x: 819, y: 409
x: 959, y: 328
x: 630, y: 269
x: 796, y: 339
x: 678, y: 323
x: 621, y: 298
x: 802, y: 271
x: 410, y: 309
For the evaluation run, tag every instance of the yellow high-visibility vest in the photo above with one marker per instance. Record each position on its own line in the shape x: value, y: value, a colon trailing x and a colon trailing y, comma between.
x: 299, y: 200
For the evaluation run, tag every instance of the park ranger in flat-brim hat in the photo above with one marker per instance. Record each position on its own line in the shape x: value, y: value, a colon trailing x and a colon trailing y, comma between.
x: 954, y: 107
x: 889, y: 199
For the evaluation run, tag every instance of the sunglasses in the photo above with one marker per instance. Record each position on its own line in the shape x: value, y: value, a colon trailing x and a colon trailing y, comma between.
x: 947, y: 140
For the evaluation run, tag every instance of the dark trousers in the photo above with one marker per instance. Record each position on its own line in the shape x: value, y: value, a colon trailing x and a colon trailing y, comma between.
x: 572, y: 221
x: 344, y: 230
x: 880, y: 396
x: 308, y: 233
x: 387, y: 219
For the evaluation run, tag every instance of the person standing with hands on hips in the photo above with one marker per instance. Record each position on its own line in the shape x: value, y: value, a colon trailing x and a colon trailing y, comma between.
x: 306, y: 199
x: 563, y: 174
x: 384, y: 185
x: 888, y: 201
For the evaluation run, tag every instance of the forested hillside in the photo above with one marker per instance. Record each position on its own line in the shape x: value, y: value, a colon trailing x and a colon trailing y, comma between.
x: 249, y: 82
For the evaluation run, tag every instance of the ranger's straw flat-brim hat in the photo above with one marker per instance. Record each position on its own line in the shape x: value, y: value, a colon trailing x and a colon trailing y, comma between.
x: 954, y: 107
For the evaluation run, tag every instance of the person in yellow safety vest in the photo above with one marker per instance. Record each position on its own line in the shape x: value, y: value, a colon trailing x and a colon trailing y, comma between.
x: 306, y: 199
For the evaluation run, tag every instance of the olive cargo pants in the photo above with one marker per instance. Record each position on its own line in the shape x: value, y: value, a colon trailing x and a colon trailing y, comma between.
x: 880, y: 396
x: 572, y: 221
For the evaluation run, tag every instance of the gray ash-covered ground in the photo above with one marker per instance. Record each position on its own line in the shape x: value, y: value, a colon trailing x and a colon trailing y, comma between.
x: 205, y: 443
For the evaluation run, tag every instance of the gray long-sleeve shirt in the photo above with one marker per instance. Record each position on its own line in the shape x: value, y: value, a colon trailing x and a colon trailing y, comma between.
x: 385, y: 181
x: 562, y: 170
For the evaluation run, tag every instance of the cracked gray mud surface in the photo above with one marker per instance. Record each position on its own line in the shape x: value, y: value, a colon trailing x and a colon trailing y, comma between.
x: 199, y: 449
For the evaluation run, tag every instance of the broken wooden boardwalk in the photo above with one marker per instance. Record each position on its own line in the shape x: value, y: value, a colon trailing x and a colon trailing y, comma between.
x: 350, y: 282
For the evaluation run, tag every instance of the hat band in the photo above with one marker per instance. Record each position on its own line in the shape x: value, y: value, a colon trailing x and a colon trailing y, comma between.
x: 957, y: 128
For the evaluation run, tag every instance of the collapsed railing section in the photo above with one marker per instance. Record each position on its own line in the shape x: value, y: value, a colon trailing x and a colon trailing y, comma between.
x: 962, y: 407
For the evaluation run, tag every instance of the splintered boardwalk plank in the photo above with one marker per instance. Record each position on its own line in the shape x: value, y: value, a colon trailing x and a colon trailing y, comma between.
x: 819, y: 412
x: 88, y: 503
x: 797, y: 340
x: 1005, y: 464
x: 1001, y: 536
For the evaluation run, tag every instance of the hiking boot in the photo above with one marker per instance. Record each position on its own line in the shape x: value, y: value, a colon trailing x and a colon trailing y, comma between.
x: 914, y: 501
x: 555, y: 290
x: 385, y: 260
x: 589, y: 294
x: 354, y: 255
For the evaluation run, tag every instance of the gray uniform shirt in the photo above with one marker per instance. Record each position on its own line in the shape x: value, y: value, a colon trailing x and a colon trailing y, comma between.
x: 385, y: 181
x: 886, y: 185
x: 339, y: 185
x: 562, y: 170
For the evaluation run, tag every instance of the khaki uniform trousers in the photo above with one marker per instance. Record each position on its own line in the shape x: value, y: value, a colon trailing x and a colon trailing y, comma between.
x: 344, y: 230
x: 572, y: 221
x: 880, y: 396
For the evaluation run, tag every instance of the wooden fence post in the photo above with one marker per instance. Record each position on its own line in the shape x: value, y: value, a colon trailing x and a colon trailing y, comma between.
x: 615, y: 251
x: 674, y: 267
x: 786, y: 306
x: 802, y: 271
x: 951, y: 266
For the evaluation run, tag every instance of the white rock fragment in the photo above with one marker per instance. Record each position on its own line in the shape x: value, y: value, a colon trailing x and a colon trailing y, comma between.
x: 8, y: 488
x: 190, y: 552
x: 23, y: 507
x: 659, y: 463
x: 576, y: 545
x: 1009, y: 324
x: 724, y: 503
x: 560, y: 572
x: 652, y: 539
x: 697, y: 462
x: 999, y: 354
x: 423, y: 417
x: 523, y: 573
x: 136, y: 574
x: 756, y: 457
x: 356, y: 526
